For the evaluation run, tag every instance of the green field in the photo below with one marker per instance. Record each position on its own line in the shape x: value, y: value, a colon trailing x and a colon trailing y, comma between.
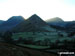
x: 40, y: 40
x: 40, y: 36
x: 35, y: 46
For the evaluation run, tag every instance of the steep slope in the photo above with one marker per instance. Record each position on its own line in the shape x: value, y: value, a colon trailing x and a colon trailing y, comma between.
x: 33, y: 23
x: 35, y: 19
x: 10, y: 23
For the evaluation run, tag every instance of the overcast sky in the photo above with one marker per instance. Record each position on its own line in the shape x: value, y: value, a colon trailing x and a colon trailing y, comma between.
x: 46, y: 9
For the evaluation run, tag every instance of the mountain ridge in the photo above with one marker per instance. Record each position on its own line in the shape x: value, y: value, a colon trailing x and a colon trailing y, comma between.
x: 33, y: 23
x: 10, y: 23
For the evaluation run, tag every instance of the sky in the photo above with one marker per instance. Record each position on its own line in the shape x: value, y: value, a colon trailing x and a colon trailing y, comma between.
x: 46, y: 9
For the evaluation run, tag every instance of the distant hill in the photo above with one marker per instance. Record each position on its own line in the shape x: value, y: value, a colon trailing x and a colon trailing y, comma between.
x: 33, y: 23
x: 10, y: 23
x: 56, y: 19
x: 57, y: 23
x: 70, y: 26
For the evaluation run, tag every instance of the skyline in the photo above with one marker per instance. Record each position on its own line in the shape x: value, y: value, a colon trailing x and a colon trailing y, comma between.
x: 46, y: 9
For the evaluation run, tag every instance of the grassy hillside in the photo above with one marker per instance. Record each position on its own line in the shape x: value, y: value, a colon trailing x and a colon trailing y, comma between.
x: 52, y: 36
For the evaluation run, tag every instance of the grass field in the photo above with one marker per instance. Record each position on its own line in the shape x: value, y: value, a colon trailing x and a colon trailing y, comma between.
x: 35, y: 46
x: 40, y: 36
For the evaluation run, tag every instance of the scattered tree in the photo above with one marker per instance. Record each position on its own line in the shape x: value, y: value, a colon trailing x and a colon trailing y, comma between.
x: 8, y: 37
x: 20, y: 40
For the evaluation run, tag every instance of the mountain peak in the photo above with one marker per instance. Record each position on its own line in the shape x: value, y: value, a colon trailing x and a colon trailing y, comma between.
x: 35, y: 17
x: 55, y: 19
x: 16, y: 18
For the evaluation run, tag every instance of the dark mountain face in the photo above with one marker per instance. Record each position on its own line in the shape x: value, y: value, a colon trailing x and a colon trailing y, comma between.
x: 70, y: 26
x: 33, y: 23
x: 36, y: 20
x: 13, y: 21
x: 10, y: 23
x: 70, y: 23
x: 1, y: 21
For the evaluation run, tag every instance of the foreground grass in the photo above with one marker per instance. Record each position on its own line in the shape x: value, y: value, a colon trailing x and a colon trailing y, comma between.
x: 13, y: 50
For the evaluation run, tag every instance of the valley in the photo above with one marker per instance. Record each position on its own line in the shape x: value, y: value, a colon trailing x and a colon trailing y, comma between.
x: 35, y: 34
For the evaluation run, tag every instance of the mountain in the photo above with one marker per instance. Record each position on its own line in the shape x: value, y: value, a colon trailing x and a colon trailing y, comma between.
x: 13, y: 21
x: 70, y: 26
x: 33, y: 23
x: 36, y: 20
x: 56, y: 19
x: 57, y: 23
x: 10, y: 23
x: 1, y: 21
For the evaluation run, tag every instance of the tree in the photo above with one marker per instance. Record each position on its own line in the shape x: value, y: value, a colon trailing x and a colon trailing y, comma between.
x: 55, y: 44
x: 20, y: 40
x: 65, y: 44
x: 47, y: 41
x: 59, y: 34
x: 71, y: 34
x: 29, y: 40
x: 0, y: 35
x: 38, y: 42
x: 7, y: 37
